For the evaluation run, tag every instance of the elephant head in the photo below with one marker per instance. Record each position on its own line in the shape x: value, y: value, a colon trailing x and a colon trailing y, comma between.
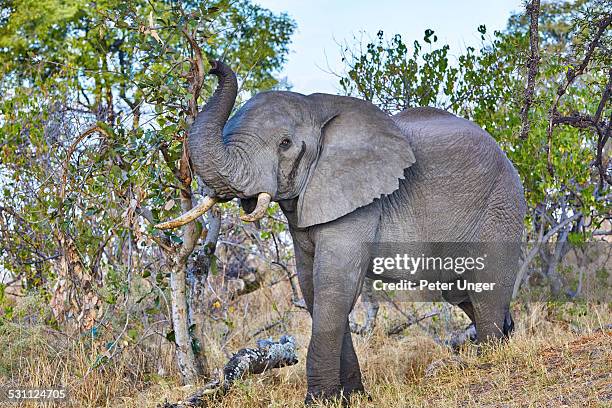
x: 332, y: 153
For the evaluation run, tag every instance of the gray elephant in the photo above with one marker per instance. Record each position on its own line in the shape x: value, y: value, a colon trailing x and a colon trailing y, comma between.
x: 345, y: 173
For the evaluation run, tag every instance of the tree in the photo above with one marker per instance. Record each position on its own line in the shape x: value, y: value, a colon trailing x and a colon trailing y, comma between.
x: 98, y: 97
x: 562, y: 162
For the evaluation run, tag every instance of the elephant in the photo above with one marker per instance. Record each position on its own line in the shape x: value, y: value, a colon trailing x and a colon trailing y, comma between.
x: 346, y: 173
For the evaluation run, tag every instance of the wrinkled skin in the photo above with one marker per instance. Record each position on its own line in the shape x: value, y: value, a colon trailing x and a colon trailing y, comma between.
x: 345, y: 173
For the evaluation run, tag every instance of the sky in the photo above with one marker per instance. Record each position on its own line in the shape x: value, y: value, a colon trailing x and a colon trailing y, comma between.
x: 323, y: 24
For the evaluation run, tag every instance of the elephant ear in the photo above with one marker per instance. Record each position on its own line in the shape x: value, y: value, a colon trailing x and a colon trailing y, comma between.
x: 362, y: 156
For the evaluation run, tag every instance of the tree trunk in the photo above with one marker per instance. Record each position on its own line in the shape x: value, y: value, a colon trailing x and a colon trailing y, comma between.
x: 184, y: 350
x: 197, y: 276
x: 178, y: 260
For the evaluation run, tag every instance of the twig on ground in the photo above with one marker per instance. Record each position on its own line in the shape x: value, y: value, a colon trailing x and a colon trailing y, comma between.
x: 267, y: 327
x: 397, y: 329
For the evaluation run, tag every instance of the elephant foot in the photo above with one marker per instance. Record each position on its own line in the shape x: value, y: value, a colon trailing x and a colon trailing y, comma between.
x: 458, y: 339
x: 342, y: 395
x: 355, y: 389
x: 326, y: 396
x: 348, y: 389
x: 497, y: 337
x: 351, y: 383
x: 508, y: 324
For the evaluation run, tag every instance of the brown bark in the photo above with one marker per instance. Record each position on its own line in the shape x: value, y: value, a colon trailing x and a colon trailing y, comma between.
x: 534, y: 12
x: 571, y: 76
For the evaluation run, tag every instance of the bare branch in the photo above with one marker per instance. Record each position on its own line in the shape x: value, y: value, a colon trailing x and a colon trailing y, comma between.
x: 534, y: 11
x: 576, y: 120
x: 542, y: 239
x: 159, y: 238
x: 268, y: 355
x: 571, y: 75
x: 602, y: 137
x: 397, y: 329
x: 197, y: 73
x: 72, y: 148
x: 604, y: 97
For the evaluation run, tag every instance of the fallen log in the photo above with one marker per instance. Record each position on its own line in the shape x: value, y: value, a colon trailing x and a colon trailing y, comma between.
x: 268, y: 354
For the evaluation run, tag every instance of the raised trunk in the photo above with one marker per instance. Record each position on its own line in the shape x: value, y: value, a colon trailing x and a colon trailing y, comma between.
x: 210, y: 158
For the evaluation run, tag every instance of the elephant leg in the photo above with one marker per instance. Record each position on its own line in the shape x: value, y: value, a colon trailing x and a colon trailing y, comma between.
x: 330, y: 349
x: 507, y: 329
x: 468, y: 308
x: 508, y: 324
x: 350, y: 372
x: 492, y: 316
x: 332, y: 366
x: 323, y: 362
x: 501, y: 237
x: 469, y: 333
x: 303, y: 266
x: 492, y: 307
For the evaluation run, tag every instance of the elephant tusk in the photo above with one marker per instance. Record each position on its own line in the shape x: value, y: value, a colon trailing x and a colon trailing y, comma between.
x: 190, y: 215
x: 263, y: 201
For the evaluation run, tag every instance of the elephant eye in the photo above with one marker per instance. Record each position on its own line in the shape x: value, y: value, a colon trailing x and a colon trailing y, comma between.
x: 285, y: 143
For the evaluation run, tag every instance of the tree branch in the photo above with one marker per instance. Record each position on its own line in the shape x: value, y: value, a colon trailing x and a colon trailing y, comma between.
x: 542, y: 239
x: 70, y: 152
x: 571, y: 75
x: 534, y: 11
x: 159, y: 238
x: 196, y: 74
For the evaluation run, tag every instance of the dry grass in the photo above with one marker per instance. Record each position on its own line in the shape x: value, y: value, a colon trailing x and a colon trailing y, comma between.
x: 548, y: 362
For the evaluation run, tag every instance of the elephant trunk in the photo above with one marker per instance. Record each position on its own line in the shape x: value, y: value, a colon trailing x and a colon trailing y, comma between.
x: 210, y: 158
x: 222, y: 170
